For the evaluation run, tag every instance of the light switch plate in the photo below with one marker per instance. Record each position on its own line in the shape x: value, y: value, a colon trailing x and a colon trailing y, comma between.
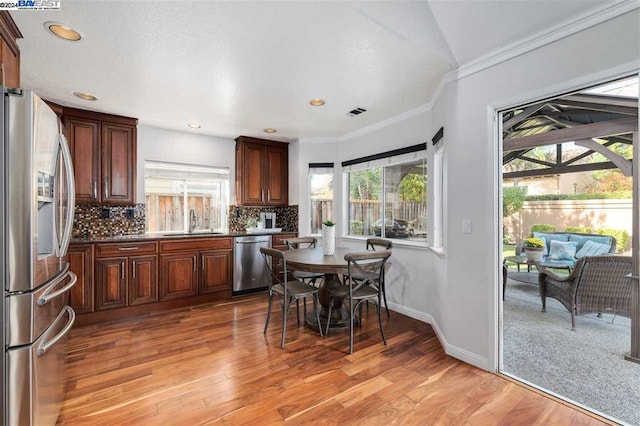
x: 466, y: 226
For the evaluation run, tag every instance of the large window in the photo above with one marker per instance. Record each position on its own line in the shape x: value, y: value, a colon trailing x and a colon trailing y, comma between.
x: 173, y: 190
x: 320, y: 194
x: 389, y: 200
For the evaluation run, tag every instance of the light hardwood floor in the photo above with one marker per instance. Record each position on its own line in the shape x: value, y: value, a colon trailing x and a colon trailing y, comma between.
x: 211, y: 364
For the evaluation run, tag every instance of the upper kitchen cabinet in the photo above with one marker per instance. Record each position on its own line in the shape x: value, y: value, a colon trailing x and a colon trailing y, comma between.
x: 9, y: 51
x: 262, y: 170
x: 103, y: 148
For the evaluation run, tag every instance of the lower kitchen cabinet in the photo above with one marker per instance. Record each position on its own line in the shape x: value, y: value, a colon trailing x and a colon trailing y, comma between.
x: 178, y: 275
x: 143, y: 282
x: 217, y: 272
x: 126, y: 274
x: 111, y: 283
x: 81, y: 263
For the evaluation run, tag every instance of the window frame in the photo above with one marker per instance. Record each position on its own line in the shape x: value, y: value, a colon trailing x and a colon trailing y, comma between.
x: 329, y: 168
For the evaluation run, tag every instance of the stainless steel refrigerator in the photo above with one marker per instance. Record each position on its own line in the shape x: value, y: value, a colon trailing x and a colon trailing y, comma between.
x: 36, y: 215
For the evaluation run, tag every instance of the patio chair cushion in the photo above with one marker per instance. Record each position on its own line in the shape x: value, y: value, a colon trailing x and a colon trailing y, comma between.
x: 591, y: 248
x: 561, y: 250
x: 582, y: 239
x: 548, y: 237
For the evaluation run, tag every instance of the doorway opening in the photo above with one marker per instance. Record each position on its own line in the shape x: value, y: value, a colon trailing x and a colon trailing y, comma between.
x: 568, y: 187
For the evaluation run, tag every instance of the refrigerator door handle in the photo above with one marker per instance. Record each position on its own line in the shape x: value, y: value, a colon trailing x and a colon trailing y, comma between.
x: 45, y: 298
x: 71, y: 195
x: 48, y: 345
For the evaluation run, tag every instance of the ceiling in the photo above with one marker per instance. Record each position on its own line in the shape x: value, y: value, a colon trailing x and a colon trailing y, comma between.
x: 240, y: 67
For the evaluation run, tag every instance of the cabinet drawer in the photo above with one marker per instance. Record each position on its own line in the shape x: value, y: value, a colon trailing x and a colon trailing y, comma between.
x: 278, y: 240
x: 197, y: 244
x: 125, y: 249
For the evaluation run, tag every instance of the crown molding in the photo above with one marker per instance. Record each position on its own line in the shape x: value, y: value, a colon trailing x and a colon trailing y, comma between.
x: 547, y: 36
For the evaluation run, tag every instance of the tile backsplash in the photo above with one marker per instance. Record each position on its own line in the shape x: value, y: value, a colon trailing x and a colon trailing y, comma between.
x: 286, y: 217
x: 108, y: 221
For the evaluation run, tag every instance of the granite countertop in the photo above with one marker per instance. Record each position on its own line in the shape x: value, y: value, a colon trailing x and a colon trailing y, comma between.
x: 149, y: 237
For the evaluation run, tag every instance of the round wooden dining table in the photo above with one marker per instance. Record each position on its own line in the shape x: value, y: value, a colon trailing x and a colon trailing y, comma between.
x: 314, y: 260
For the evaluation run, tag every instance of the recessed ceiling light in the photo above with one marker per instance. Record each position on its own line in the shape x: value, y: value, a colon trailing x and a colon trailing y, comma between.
x: 194, y: 125
x: 270, y: 130
x: 85, y: 96
x: 317, y: 102
x: 63, y: 31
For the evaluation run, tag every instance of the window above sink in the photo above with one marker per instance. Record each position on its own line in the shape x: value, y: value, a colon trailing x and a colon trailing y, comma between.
x: 173, y: 190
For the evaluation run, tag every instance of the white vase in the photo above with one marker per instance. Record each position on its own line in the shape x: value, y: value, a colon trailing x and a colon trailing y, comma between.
x: 328, y: 240
x: 534, y: 254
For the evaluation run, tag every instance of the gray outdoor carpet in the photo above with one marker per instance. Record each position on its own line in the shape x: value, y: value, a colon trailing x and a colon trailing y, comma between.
x: 586, y: 366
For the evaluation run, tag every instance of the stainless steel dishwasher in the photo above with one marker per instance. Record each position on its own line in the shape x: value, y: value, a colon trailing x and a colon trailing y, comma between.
x: 250, y: 272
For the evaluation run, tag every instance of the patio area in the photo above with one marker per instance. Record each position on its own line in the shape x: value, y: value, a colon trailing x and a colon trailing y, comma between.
x: 587, y: 366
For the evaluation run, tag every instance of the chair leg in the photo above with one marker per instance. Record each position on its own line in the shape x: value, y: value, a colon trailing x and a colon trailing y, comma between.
x: 573, y: 319
x: 315, y: 308
x: 329, y: 315
x: 352, y: 312
x: 384, y: 339
x: 285, y: 313
x: 268, y: 313
x: 384, y: 295
x: 298, y: 310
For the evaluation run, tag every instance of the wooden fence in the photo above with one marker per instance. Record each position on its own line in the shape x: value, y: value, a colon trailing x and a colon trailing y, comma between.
x: 364, y: 213
x: 165, y: 212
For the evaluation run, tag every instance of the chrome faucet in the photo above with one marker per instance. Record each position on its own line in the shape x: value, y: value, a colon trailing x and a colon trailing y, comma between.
x: 193, y: 220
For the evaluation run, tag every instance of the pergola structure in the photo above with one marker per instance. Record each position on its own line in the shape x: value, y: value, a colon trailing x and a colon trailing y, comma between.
x: 594, y: 122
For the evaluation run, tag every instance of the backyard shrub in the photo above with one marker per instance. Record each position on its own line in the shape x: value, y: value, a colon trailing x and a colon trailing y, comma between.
x: 542, y: 227
x: 356, y: 227
x: 621, y: 236
x: 614, y: 195
x: 578, y: 229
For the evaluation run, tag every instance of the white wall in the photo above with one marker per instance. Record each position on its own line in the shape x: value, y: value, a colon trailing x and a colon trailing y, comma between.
x: 183, y: 147
x: 459, y: 291
x: 470, y: 290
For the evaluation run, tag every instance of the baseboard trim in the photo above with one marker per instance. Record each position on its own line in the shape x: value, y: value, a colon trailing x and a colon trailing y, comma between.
x: 449, y: 349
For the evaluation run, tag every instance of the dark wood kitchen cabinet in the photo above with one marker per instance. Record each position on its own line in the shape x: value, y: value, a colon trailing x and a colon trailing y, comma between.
x: 178, y: 275
x: 262, y: 172
x: 195, y: 266
x: 9, y: 51
x: 103, y: 150
x: 126, y: 274
x: 81, y: 263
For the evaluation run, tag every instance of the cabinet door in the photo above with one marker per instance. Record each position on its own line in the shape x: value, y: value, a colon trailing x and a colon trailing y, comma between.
x: 118, y: 164
x: 276, y: 175
x: 216, y: 274
x: 10, y: 65
x: 84, y: 143
x: 178, y: 275
x: 143, y: 282
x: 253, y: 191
x: 81, y: 264
x: 111, y: 283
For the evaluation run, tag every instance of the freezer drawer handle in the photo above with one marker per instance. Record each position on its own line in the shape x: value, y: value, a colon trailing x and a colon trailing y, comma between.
x: 251, y: 242
x: 72, y: 318
x: 45, y: 298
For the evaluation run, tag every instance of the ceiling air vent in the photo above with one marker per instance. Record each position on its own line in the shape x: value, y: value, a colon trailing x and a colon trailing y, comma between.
x: 356, y: 111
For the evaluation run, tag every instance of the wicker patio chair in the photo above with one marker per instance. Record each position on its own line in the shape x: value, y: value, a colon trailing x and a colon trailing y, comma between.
x: 598, y: 284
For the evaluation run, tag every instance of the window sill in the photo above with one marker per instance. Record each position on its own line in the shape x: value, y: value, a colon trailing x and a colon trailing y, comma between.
x: 422, y: 245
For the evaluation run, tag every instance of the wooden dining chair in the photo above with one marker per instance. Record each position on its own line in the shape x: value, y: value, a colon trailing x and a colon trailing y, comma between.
x: 380, y: 244
x: 312, y: 278
x: 286, y: 290
x: 369, y: 268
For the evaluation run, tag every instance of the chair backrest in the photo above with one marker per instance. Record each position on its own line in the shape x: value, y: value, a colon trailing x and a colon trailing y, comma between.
x: 368, y: 266
x: 604, y: 278
x: 277, y: 266
x: 372, y: 243
x: 301, y: 242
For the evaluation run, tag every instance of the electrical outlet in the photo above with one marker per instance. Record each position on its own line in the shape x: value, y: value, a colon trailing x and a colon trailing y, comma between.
x: 105, y: 214
x: 130, y: 214
x: 466, y: 226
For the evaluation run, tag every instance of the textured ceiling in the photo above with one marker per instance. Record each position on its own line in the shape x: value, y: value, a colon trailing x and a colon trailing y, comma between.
x: 240, y: 67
